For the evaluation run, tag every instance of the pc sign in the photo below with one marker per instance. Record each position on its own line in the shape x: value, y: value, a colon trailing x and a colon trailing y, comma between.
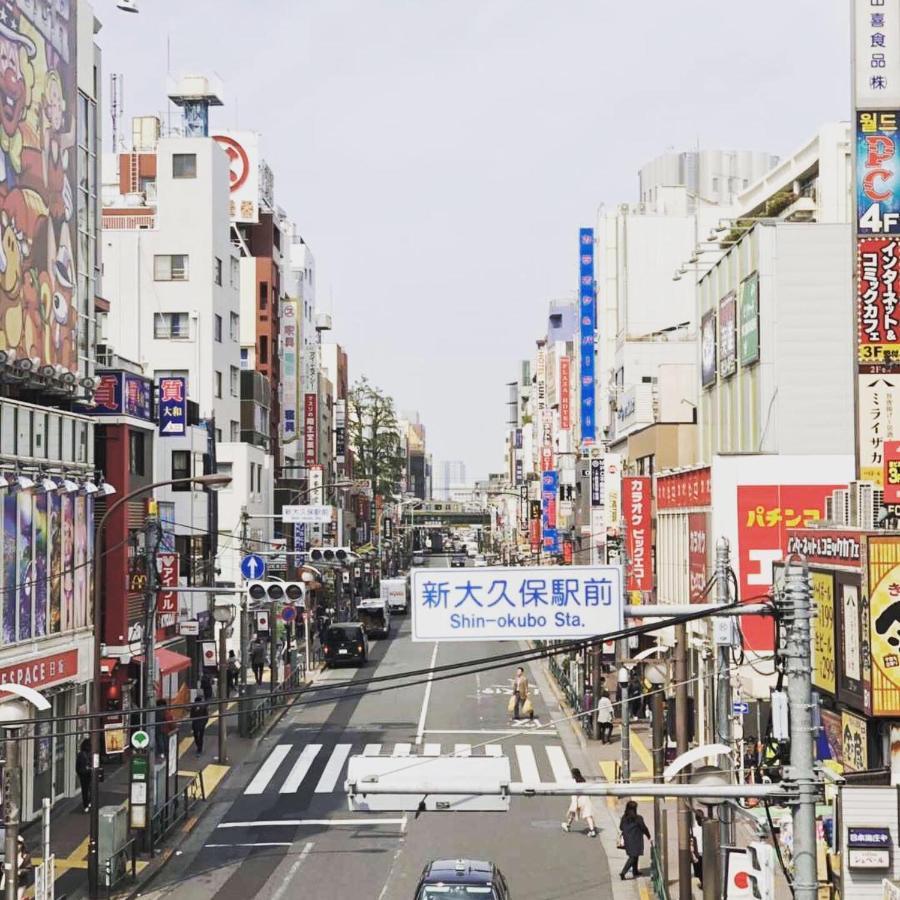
x: 521, y: 603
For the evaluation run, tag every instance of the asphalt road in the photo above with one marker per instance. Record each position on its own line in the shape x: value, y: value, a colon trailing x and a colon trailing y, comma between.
x: 282, y: 828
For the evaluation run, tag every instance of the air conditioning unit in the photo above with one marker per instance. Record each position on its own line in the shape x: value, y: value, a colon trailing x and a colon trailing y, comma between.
x: 866, y: 505
x: 841, y: 510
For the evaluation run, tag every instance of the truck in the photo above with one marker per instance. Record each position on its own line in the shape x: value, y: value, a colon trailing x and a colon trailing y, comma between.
x: 394, y: 590
x: 375, y: 615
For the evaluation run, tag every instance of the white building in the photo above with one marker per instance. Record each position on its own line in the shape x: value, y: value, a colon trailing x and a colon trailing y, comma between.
x: 448, y: 475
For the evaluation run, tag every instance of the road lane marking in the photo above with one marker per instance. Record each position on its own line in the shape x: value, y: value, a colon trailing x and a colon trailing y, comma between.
x: 301, y: 767
x: 462, y: 750
x: 256, y: 844
x: 282, y: 888
x: 528, y: 770
x: 401, y: 749
x: 333, y: 768
x: 501, y: 731
x: 267, y: 770
x: 493, y: 750
x: 558, y: 763
x: 431, y: 750
x: 372, y: 750
x: 294, y: 823
x: 427, y: 697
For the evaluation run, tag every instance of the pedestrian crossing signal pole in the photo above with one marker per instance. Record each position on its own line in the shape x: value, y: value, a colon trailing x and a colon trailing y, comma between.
x: 723, y: 627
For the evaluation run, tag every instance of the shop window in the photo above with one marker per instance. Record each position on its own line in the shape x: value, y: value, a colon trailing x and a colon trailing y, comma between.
x: 181, y: 468
x: 136, y: 462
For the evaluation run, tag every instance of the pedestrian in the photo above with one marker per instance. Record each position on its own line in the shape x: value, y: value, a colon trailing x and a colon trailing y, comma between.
x: 258, y: 658
x: 750, y: 759
x: 605, y: 717
x: 697, y: 846
x: 25, y: 869
x: 83, y: 771
x: 633, y: 830
x: 199, y: 721
x: 636, y: 694
x: 231, y: 673
x: 520, y: 695
x: 164, y: 726
x: 580, y: 807
x: 206, y: 686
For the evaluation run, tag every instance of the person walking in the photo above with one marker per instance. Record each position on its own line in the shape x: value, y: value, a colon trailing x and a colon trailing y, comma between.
x: 633, y: 830
x: 580, y: 808
x: 257, y: 658
x: 605, y: 717
x: 231, y: 673
x: 520, y: 694
x: 206, y: 686
x: 83, y: 771
x: 199, y: 721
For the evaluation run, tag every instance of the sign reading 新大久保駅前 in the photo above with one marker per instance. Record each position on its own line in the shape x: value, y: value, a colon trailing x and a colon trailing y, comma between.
x: 516, y: 604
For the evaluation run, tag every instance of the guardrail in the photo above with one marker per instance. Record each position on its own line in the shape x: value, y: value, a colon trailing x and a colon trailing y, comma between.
x: 254, y: 712
x: 176, y: 809
x: 116, y: 868
x: 657, y: 879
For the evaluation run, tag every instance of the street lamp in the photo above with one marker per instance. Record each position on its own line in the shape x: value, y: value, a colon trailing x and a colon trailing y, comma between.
x: 623, y: 677
x: 211, y: 482
x: 223, y: 613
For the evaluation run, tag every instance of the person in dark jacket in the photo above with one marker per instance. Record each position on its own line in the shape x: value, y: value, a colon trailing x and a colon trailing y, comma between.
x: 633, y: 829
x: 206, y: 685
x: 83, y: 771
x: 257, y: 658
x: 199, y: 720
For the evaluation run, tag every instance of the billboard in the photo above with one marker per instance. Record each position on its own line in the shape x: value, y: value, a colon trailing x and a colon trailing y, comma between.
x: 636, y: 503
x: 876, y: 45
x: 877, y: 185
x: 878, y: 411
x: 587, y: 317
x: 172, y: 406
x: 612, y: 493
x: 854, y: 659
x: 883, y: 559
x: 683, y: 490
x: 521, y: 603
x: 823, y: 647
x: 698, y: 554
x: 549, y: 493
x: 565, y: 393
x: 824, y: 547
x: 878, y: 318
x: 290, y: 339
x: 38, y: 295
x: 855, y: 743
x: 728, y: 335
x: 748, y: 320
x: 708, y: 349
x: 242, y: 150
x: 123, y: 394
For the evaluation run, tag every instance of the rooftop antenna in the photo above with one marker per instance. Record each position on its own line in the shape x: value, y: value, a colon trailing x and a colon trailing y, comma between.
x: 117, y: 105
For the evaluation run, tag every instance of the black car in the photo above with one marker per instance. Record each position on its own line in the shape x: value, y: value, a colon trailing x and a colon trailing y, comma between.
x: 458, y: 560
x: 462, y: 879
x: 345, y: 642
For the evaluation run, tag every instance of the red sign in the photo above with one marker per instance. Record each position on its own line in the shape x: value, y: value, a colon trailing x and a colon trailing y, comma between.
x: 681, y: 490
x: 698, y: 554
x: 47, y: 670
x: 534, y: 524
x: 825, y: 547
x: 765, y: 512
x: 567, y: 552
x: 546, y: 459
x: 167, y: 601
x: 878, y: 299
x: 311, y: 428
x: 636, y: 510
x: 892, y: 471
x: 565, y: 392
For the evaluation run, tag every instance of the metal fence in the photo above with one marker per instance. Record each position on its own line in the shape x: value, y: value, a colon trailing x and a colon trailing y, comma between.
x: 657, y: 878
x: 254, y: 712
x: 176, y: 809
x: 121, y: 865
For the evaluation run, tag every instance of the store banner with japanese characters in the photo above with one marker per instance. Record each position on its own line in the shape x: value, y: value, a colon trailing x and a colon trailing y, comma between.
x: 892, y: 472
x: 855, y: 744
x: 636, y: 506
x: 612, y: 493
x: 587, y: 315
x: 883, y: 556
x: 698, y: 554
x: 167, y: 565
x: 242, y: 150
x: 876, y: 25
x: 549, y: 497
x: 748, y: 318
x: 878, y: 409
x: 565, y: 392
x: 877, y: 301
x: 877, y: 186
x: 708, y: 349
x: 728, y: 335
x: 521, y: 603
x: 823, y: 645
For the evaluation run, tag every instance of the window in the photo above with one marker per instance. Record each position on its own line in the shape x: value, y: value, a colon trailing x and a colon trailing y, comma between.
x: 136, y: 452
x: 235, y: 328
x: 235, y: 381
x: 252, y: 476
x: 245, y: 358
x: 235, y: 432
x: 217, y: 271
x: 235, y: 272
x: 263, y: 295
x: 181, y: 468
x: 218, y: 435
x: 263, y: 350
x: 218, y: 378
x: 184, y: 165
x: 224, y: 468
x: 217, y: 328
x: 170, y: 267
x: 171, y: 326
x: 259, y: 479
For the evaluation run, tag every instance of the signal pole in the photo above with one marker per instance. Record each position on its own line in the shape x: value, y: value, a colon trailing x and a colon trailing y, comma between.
x: 724, y: 634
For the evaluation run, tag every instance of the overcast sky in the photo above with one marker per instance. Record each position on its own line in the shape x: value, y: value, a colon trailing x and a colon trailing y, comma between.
x: 439, y: 156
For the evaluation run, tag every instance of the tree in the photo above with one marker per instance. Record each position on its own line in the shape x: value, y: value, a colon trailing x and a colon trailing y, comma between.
x: 374, y: 436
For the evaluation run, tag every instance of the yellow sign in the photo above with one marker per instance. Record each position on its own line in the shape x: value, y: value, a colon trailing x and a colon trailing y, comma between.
x: 853, y: 746
x: 823, y: 661
x: 884, y: 606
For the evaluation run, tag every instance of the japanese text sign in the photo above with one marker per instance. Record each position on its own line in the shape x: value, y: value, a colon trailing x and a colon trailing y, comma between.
x: 167, y: 601
x: 841, y: 548
x: 883, y: 558
x: 855, y: 744
x: 892, y: 471
x: 698, y: 554
x: 728, y: 335
x: 876, y: 25
x: 565, y: 388
x: 172, y: 407
x: 683, y: 490
x: 312, y: 514
x: 748, y: 316
x: 587, y: 318
x: 242, y: 150
x: 636, y: 502
x: 878, y: 409
x: 290, y: 335
x: 877, y: 171
x: 534, y: 523
x: 520, y: 603
x: 549, y: 493
x: 878, y: 299
x: 708, y: 349
x: 823, y: 644
x: 596, y: 482
x: 612, y: 492
x: 311, y: 428
x: 121, y: 393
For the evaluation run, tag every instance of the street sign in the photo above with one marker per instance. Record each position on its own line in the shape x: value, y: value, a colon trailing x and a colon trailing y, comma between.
x: 253, y: 566
x: 189, y: 628
x: 516, y: 603
x: 312, y: 514
x: 140, y: 740
x: 740, y: 708
x: 288, y: 614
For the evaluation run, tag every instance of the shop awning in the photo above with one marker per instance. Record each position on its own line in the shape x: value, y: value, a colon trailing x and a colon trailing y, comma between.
x: 167, y: 661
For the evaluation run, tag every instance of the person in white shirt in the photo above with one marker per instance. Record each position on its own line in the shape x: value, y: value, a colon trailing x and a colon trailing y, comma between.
x: 605, y: 717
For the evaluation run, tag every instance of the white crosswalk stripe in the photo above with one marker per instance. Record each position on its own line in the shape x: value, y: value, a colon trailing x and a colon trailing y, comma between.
x: 371, y: 750
x: 333, y: 768
x: 267, y: 770
x: 431, y: 750
x: 402, y: 749
x: 527, y: 763
x: 301, y: 767
x: 462, y: 750
x: 558, y: 763
x: 493, y: 750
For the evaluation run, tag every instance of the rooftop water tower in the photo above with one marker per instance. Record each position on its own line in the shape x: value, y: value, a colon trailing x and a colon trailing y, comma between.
x: 195, y: 94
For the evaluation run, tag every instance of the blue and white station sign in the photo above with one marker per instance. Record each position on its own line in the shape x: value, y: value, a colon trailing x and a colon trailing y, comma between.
x: 516, y: 604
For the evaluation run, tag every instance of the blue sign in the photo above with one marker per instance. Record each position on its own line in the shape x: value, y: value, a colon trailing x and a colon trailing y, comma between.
x: 288, y: 614
x: 868, y: 837
x: 518, y: 603
x: 549, y: 493
x: 172, y: 407
x: 740, y: 708
x: 587, y: 317
x: 299, y: 536
x: 253, y: 566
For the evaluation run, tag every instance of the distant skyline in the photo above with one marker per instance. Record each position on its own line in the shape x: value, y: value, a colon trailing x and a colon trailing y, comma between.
x: 439, y: 156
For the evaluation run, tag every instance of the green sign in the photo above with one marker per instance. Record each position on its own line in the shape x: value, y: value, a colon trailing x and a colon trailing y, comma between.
x: 139, y: 768
x: 748, y: 317
x: 140, y: 740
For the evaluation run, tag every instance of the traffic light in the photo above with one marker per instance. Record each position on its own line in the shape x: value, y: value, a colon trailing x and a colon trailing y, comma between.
x: 761, y: 870
x: 331, y: 555
x: 276, y: 591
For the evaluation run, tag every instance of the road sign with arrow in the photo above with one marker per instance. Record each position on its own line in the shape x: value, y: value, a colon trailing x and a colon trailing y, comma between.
x: 253, y: 566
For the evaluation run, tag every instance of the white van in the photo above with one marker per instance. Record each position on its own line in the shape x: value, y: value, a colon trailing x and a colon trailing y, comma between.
x: 393, y: 590
x: 375, y: 615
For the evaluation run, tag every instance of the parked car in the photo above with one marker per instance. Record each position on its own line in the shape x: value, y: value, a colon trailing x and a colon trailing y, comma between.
x: 345, y: 642
x: 458, y: 561
x: 462, y: 878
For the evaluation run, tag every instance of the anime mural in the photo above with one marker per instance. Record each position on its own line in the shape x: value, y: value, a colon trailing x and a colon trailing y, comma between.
x: 38, y: 107
x: 10, y: 568
x: 40, y: 564
x: 26, y: 574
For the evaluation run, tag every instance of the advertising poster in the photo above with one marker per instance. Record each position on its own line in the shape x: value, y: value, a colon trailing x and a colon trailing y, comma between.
x: 884, y: 602
x: 67, y: 525
x: 587, y: 308
x: 89, y: 538
x: 877, y: 53
x: 892, y: 471
x: 854, y: 745
x: 172, y: 407
x: 55, y: 539
x: 832, y: 735
x: 596, y: 482
x: 877, y: 171
x: 26, y: 577
x: 534, y: 524
x: 728, y: 335
x: 877, y: 300
x: 10, y: 566
x: 636, y: 506
x: 823, y: 656
x: 851, y: 630
x: 242, y: 150
x: 549, y: 494
x: 708, y: 349
x: 40, y: 564
x: 80, y: 538
x: 879, y: 421
x: 748, y: 319
x: 698, y: 554
x: 122, y: 393
x: 765, y: 512
x: 612, y: 493
x: 290, y: 333
x: 311, y: 428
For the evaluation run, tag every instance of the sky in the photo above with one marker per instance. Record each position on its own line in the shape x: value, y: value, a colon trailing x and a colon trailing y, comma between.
x: 439, y: 156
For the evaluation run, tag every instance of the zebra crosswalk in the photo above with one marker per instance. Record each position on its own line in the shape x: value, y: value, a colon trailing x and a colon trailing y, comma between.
x: 288, y: 767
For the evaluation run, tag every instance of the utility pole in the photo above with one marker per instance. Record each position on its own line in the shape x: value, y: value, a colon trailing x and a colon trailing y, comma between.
x: 12, y: 794
x: 685, y: 822
x: 724, y: 639
x: 223, y: 689
x: 795, y: 609
x: 245, y: 610
x: 152, y: 539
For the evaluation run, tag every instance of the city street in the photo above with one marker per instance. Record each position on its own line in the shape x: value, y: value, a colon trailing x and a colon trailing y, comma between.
x: 282, y: 825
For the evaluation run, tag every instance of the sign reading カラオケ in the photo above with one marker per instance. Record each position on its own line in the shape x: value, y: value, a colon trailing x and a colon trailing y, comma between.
x: 517, y: 603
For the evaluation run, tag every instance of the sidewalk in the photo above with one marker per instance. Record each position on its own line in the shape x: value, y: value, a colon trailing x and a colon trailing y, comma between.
x: 69, y: 826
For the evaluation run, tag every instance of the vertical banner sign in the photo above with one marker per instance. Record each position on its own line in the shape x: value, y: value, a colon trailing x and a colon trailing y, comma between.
x: 316, y: 483
x: 883, y: 559
x: 172, y: 407
x: 549, y: 493
x: 877, y: 196
x: 587, y: 317
x: 311, y: 429
x: 877, y: 300
x: 299, y: 538
x: 728, y: 335
x: 748, y: 318
x: 565, y: 392
x: 612, y: 490
x: 520, y: 474
x: 340, y: 430
x: 534, y: 524
x: 878, y: 412
x: 636, y: 509
x: 892, y: 471
x: 290, y: 334
x: 876, y: 26
x: 596, y: 482
x: 167, y: 601
x: 698, y: 554
x: 823, y: 655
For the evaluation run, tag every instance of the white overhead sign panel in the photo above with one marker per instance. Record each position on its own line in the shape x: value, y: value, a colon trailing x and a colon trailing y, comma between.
x: 516, y: 604
x: 876, y: 25
x: 306, y: 514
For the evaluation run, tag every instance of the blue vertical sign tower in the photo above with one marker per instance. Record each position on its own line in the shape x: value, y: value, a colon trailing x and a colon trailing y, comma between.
x: 587, y: 316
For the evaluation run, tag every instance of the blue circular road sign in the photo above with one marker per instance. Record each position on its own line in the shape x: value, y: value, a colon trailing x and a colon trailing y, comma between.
x: 253, y: 567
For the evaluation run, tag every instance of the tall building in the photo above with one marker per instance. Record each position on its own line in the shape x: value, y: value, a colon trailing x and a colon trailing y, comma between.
x: 448, y: 476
